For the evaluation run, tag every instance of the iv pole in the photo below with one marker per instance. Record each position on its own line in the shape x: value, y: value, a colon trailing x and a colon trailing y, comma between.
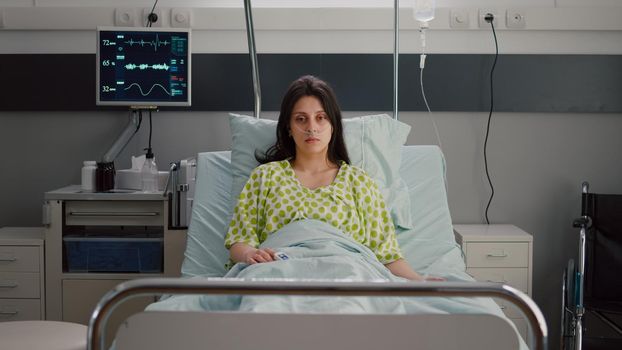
x: 396, y: 53
x: 250, y: 33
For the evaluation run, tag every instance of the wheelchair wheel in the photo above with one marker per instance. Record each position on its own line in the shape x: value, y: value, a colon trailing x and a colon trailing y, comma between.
x: 569, y: 303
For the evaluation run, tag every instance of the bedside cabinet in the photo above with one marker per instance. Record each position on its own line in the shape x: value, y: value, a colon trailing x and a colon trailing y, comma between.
x: 502, y: 254
x: 95, y: 241
x: 22, y: 293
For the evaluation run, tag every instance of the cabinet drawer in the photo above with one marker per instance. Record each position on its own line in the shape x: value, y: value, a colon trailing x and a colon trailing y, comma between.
x: 20, y: 309
x: 19, y: 259
x: 515, y: 277
x: 19, y: 285
x: 134, y: 213
x: 499, y: 254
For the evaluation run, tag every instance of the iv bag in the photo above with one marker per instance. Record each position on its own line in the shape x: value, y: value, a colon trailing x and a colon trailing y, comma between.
x: 423, y: 10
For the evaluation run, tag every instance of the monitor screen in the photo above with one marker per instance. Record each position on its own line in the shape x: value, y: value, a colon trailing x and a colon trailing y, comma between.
x: 143, y: 66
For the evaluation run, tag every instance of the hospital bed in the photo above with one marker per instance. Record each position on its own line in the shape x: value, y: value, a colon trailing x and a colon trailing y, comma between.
x: 330, y: 294
x: 429, y: 247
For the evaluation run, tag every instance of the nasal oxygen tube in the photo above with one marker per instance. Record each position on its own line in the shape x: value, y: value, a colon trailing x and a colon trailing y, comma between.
x: 310, y: 132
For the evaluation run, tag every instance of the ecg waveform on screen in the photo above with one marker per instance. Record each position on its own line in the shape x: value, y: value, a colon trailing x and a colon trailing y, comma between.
x: 148, y: 92
x: 132, y: 66
x: 155, y: 43
x: 139, y: 67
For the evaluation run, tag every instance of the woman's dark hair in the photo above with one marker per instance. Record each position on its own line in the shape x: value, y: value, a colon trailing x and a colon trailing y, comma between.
x: 285, y: 147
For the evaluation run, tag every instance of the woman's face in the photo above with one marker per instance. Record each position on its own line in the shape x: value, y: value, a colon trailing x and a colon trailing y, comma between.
x: 310, y: 126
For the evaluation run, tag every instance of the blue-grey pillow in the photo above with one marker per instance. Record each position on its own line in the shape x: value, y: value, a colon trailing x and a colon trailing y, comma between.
x: 205, y: 253
x: 374, y: 144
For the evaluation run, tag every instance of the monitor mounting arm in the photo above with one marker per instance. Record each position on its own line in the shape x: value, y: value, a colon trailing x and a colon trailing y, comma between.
x: 124, y: 138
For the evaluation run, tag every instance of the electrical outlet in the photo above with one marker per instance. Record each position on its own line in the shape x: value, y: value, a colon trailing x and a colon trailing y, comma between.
x: 482, y: 17
x: 124, y: 17
x: 181, y: 18
x: 515, y: 19
x: 459, y: 19
x: 145, y: 17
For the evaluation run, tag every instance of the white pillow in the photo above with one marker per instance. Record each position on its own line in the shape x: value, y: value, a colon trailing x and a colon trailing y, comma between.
x: 374, y: 144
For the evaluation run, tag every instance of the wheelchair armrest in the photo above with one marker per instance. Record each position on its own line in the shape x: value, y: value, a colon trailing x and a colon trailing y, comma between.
x: 581, y: 222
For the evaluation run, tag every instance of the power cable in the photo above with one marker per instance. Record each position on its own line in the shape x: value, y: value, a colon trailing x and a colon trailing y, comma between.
x: 490, y: 19
x: 152, y: 17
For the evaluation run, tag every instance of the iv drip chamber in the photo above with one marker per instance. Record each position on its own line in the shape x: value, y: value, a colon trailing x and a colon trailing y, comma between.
x: 423, y: 10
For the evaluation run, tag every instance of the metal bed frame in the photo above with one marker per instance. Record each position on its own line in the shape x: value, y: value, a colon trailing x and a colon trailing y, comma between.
x: 159, y: 286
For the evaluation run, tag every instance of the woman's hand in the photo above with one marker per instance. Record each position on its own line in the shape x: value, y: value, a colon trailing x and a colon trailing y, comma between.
x: 427, y: 278
x: 401, y: 268
x: 254, y: 256
x: 242, y: 252
x: 433, y: 279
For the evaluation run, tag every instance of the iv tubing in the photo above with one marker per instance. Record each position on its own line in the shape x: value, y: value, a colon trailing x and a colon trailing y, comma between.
x: 422, y: 29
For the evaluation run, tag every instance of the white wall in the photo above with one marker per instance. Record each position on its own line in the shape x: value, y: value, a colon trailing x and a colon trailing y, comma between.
x: 555, y: 30
x: 314, y: 3
x: 537, y: 160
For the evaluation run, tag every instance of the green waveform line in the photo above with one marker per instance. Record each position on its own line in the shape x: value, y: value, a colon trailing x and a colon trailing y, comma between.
x: 155, y: 43
x: 132, y: 66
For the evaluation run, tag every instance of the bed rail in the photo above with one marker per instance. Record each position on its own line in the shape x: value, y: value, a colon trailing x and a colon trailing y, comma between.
x: 158, y: 286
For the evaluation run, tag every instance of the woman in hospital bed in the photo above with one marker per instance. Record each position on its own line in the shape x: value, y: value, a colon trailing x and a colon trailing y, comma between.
x: 330, y: 219
x: 306, y: 175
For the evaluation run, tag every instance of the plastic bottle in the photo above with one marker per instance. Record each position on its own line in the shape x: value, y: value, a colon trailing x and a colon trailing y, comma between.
x: 149, y: 173
x: 88, y: 175
x: 423, y: 11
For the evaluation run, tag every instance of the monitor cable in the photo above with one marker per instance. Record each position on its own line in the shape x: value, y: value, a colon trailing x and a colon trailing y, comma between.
x: 140, y: 118
x: 152, y: 17
x: 150, y: 130
x: 490, y: 19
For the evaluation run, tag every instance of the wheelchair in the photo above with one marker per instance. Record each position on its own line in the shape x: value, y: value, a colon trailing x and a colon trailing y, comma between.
x: 591, y: 312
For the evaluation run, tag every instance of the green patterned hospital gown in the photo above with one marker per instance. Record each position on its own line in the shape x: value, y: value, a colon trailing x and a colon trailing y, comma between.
x: 273, y: 197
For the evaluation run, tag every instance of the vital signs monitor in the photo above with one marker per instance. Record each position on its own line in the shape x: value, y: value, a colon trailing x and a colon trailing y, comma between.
x: 143, y: 66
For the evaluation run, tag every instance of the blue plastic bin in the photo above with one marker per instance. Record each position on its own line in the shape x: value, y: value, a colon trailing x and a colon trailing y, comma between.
x: 114, y: 254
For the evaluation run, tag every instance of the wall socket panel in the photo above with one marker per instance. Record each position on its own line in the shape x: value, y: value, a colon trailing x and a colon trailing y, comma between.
x: 459, y: 19
x: 181, y: 18
x: 124, y: 17
x: 481, y: 15
x: 515, y: 19
x: 144, y: 19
